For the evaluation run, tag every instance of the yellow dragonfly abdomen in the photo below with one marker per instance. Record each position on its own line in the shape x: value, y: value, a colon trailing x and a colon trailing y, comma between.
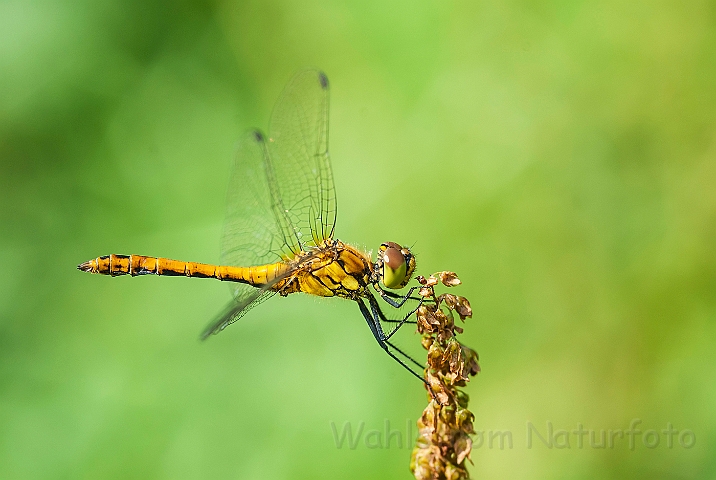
x: 143, y: 265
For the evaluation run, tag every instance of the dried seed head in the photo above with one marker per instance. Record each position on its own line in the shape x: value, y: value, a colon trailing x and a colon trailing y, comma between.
x: 446, y: 424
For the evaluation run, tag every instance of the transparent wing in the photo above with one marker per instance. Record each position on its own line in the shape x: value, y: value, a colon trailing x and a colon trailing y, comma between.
x: 251, y: 234
x: 281, y: 198
x: 300, y: 166
x: 246, y: 298
x: 242, y: 303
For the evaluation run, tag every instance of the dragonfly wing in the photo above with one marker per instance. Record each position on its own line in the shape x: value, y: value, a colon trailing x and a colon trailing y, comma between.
x: 281, y: 198
x: 246, y: 298
x: 300, y: 171
x: 251, y: 234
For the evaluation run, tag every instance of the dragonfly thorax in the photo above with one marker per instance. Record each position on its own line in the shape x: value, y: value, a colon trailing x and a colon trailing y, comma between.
x: 395, y: 265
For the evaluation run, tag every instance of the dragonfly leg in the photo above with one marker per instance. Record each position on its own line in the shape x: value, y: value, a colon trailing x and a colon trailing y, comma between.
x: 405, y: 355
x: 390, y: 297
x: 376, y: 309
x: 372, y: 318
x: 392, y: 294
x: 379, y: 313
x: 385, y: 319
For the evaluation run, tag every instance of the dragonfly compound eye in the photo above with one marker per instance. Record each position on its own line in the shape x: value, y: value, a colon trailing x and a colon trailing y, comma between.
x: 394, y: 268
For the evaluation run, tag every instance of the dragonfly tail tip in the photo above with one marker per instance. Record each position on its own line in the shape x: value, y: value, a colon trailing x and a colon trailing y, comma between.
x: 85, y: 267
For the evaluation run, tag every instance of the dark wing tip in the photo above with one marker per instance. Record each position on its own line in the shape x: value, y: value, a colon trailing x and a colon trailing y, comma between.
x: 212, y: 329
x: 258, y: 136
x: 323, y: 79
x: 219, y: 323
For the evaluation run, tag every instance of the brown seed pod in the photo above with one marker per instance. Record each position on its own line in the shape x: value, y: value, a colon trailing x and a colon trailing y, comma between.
x: 449, y: 279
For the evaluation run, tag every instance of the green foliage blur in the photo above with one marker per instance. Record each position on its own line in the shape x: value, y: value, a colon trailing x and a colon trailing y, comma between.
x: 560, y: 156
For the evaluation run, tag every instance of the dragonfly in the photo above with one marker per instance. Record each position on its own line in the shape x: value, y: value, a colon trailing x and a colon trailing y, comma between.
x: 280, y: 220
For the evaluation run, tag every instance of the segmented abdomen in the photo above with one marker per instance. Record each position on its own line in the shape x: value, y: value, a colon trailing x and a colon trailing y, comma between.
x: 142, y: 265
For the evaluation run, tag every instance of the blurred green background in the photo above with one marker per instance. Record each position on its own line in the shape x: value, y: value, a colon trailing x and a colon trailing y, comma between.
x: 559, y: 155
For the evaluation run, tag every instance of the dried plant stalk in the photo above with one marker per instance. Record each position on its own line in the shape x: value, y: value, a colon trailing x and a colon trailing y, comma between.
x: 446, y: 424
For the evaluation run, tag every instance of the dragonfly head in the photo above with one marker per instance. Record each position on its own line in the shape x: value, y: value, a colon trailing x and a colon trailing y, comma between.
x: 395, y: 265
